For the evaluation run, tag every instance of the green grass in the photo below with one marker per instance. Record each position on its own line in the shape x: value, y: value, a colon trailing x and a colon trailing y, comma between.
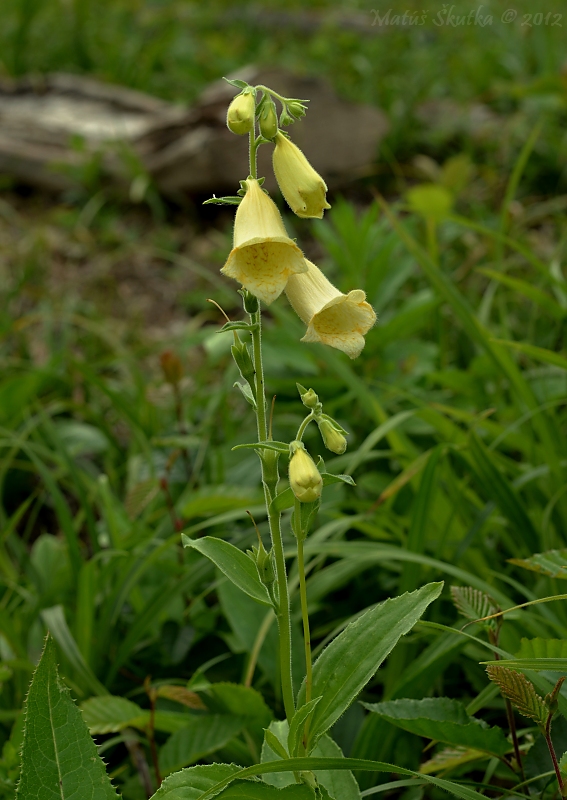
x: 456, y: 408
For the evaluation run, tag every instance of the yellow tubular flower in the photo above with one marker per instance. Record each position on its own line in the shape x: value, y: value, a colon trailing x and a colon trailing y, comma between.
x: 304, y: 477
x: 263, y: 256
x: 303, y: 188
x: 333, y: 318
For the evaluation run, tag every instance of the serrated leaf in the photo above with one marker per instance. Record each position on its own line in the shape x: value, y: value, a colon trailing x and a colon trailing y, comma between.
x: 241, y: 701
x: 59, y: 758
x: 233, y: 563
x: 110, y: 714
x: 247, y: 790
x: 552, y: 563
x: 180, y: 694
x: 201, y: 736
x: 190, y: 784
x: 563, y: 764
x: 520, y: 691
x: 543, y: 648
x: 474, y: 604
x: 444, y: 720
x: 449, y: 758
x: 349, y: 661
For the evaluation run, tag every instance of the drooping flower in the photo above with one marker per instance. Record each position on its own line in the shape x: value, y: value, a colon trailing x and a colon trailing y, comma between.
x: 333, y: 318
x: 263, y: 256
x: 240, y: 114
x: 304, y: 478
x: 333, y: 439
x: 303, y: 188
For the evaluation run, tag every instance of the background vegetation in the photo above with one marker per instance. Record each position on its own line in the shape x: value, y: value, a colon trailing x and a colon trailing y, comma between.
x: 458, y: 443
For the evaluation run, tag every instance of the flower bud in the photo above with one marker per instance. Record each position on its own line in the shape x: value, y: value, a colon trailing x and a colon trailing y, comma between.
x: 304, y: 477
x: 243, y: 359
x: 240, y: 114
x: 264, y: 562
x: 333, y: 439
x: 308, y: 396
x: 303, y: 188
x: 296, y: 108
x: 268, y: 120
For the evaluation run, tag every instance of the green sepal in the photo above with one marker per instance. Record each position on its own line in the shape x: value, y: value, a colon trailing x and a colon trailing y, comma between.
x: 237, y: 83
x: 228, y: 200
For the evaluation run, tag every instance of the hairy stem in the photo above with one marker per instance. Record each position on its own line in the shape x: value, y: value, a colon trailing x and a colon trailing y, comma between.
x: 551, y: 748
x: 283, y: 609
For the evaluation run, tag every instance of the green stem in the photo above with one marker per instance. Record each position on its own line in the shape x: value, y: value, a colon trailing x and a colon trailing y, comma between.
x: 303, y: 425
x: 305, y: 616
x: 283, y: 609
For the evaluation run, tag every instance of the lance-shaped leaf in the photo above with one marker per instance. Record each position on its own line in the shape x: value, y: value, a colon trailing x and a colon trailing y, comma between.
x: 521, y: 693
x: 346, y: 665
x: 444, y: 720
x: 189, y: 784
x: 235, y: 564
x: 451, y: 758
x: 59, y: 758
x: 552, y: 563
x: 543, y: 648
x: 202, y: 735
x: 474, y: 604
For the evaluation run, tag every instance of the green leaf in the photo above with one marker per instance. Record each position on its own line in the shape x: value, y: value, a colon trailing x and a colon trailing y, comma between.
x: 189, y: 784
x: 54, y: 619
x: 537, y: 664
x: 520, y: 691
x: 552, y: 563
x: 297, y: 726
x: 450, y: 758
x: 279, y: 447
x: 348, y: 663
x: 235, y: 564
x: 59, y: 758
x: 201, y: 736
x: 537, y: 353
x: 444, y: 720
x: 246, y: 790
x: 340, y: 784
x: 474, y: 604
x: 238, y: 700
x: 110, y: 714
x: 527, y: 289
x: 324, y: 764
x: 246, y: 392
x: 543, y: 648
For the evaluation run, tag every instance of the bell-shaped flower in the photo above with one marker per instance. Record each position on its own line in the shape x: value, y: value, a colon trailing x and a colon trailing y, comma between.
x: 333, y: 318
x: 303, y: 188
x: 263, y: 256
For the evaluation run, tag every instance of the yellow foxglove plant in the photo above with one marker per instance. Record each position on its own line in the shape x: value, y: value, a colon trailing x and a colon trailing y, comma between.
x: 263, y: 256
x: 303, y: 188
x: 333, y: 318
x: 265, y: 261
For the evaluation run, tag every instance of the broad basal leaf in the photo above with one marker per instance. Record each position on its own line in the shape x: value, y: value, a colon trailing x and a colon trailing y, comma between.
x: 241, y: 701
x: 203, y: 735
x: 110, y: 714
x: 235, y: 564
x: 520, y: 691
x: 59, y: 758
x: 190, y: 784
x: 348, y: 663
x: 258, y: 790
x: 444, y: 720
x: 552, y: 563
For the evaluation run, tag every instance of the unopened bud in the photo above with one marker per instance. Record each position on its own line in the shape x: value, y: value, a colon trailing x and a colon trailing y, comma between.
x: 243, y: 359
x: 308, y: 396
x: 250, y: 303
x: 171, y: 366
x: 268, y: 120
x: 304, y: 477
x: 264, y: 561
x: 296, y: 108
x: 240, y: 114
x: 333, y: 439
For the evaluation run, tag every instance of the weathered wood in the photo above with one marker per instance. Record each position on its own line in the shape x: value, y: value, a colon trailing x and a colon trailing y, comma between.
x: 50, y: 125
